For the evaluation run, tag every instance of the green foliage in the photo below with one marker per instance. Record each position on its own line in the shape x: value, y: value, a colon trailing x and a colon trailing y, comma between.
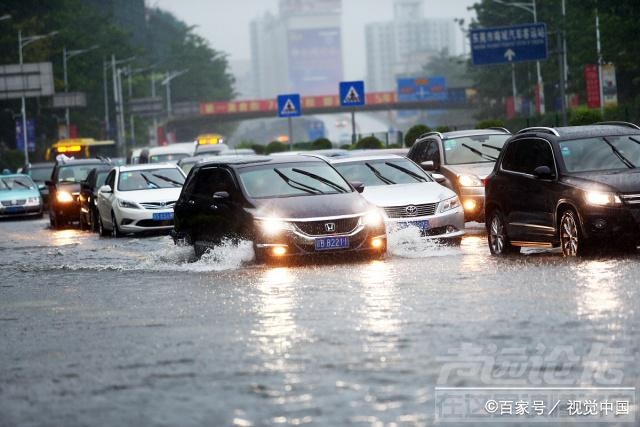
x: 346, y: 147
x: 276, y: 147
x: 490, y: 123
x: 369, y: 142
x: 11, y: 159
x: 584, y: 116
x: 258, y: 148
x: 414, y: 133
x: 395, y: 146
x: 443, y: 129
x: 321, y: 144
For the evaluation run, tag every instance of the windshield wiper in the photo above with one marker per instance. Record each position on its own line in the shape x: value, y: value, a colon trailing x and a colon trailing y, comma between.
x: 408, y: 172
x: 498, y: 149
x: 297, y: 185
x: 22, y: 184
x: 149, y: 181
x: 164, y: 178
x: 479, y: 153
x: 325, y: 181
x: 377, y: 173
x: 621, y: 156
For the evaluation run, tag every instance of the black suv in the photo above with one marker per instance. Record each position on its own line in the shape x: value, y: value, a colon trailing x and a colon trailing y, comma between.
x: 575, y: 187
x: 464, y: 158
x: 64, y: 188
x: 287, y: 205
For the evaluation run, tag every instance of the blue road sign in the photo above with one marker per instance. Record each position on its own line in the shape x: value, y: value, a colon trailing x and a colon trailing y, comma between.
x: 422, y: 89
x: 289, y: 105
x: 500, y: 45
x: 352, y: 93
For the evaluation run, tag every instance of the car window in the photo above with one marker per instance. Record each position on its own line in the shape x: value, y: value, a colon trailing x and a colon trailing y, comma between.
x: 473, y: 149
x: 212, y: 180
x: 40, y: 173
x: 74, y: 173
x: 291, y: 180
x: 524, y: 155
x: 150, y: 179
x: 382, y: 172
x: 16, y: 183
x: 598, y: 154
x: 111, y: 179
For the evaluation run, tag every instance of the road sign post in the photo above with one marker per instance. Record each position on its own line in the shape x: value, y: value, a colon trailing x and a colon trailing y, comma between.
x: 352, y: 95
x: 289, y: 106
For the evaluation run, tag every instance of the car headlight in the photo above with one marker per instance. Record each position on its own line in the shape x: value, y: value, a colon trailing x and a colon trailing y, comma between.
x: 600, y: 198
x: 373, y: 219
x: 469, y: 181
x: 272, y: 226
x: 33, y: 201
x: 448, y: 204
x: 127, y: 204
x: 64, y: 197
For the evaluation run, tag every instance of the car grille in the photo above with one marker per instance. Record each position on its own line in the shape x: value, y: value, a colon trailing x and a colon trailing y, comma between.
x: 14, y: 202
x: 154, y: 223
x: 631, y: 199
x: 319, y: 228
x: 408, y: 211
x: 158, y: 205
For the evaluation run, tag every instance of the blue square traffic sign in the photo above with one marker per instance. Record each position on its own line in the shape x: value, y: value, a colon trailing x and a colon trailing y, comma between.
x: 500, y: 45
x: 289, y: 105
x: 352, y: 93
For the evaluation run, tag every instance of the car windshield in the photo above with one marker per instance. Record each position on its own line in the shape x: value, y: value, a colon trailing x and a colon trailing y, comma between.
x: 473, y: 149
x: 101, y: 178
x: 16, y: 183
x: 292, y: 180
x: 41, y: 173
x: 74, y: 173
x: 187, y: 166
x: 382, y: 172
x: 601, y: 153
x: 150, y: 179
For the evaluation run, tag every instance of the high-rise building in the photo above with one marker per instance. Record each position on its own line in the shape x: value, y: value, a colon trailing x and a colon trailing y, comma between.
x: 299, y: 50
x: 404, y: 45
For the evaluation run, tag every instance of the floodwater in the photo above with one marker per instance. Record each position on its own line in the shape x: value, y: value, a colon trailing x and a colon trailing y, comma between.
x: 135, y: 331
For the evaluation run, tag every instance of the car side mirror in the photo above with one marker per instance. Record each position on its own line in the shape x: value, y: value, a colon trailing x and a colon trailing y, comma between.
x: 543, y: 172
x: 105, y: 189
x: 48, y: 183
x: 221, y: 195
x: 438, y: 177
x: 357, y: 185
x: 428, y: 165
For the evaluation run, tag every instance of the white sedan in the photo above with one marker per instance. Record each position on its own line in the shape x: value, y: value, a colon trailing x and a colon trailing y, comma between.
x: 407, y: 196
x: 137, y: 198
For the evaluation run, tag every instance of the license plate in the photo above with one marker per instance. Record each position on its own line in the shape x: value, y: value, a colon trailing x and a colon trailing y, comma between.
x: 162, y: 216
x: 329, y: 243
x: 14, y: 209
x: 422, y: 225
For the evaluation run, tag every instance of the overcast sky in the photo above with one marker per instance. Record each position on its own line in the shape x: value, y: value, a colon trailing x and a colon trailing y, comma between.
x: 225, y: 23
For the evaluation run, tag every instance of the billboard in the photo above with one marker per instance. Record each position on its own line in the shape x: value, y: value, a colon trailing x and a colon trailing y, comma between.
x: 28, y: 80
x: 315, y: 60
x: 31, y: 135
x: 432, y: 88
x: 593, y: 85
x: 609, y: 85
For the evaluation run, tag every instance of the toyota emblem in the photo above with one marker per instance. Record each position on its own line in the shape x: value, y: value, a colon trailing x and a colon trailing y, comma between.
x: 329, y: 227
x: 411, y: 210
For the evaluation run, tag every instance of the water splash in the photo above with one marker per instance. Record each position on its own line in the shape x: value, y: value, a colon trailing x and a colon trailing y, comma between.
x: 407, y: 243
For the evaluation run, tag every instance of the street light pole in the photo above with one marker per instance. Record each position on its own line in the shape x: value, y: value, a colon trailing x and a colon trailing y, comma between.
x: 66, y: 55
x: 531, y: 8
x: 22, y: 42
x: 167, y: 82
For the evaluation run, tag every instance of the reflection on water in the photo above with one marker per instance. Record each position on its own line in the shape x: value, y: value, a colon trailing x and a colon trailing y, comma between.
x: 597, y: 295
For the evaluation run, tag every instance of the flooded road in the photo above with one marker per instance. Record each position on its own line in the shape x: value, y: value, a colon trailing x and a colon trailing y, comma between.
x: 134, y: 331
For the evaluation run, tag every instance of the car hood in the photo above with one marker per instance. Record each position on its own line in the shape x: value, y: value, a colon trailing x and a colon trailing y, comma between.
x: 406, y: 194
x: 625, y: 181
x: 481, y: 170
x: 19, y: 194
x: 71, y: 187
x: 151, y: 195
x: 312, y: 206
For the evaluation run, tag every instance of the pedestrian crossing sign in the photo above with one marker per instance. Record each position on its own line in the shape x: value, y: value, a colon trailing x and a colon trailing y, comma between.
x: 289, y: 105
x: 352, y: 93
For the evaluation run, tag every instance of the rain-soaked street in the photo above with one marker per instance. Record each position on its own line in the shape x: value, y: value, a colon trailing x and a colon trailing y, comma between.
x: 133, y: 331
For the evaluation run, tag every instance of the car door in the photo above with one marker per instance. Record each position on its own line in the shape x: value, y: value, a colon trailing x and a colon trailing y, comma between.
x: 529, y: 196
x: 105, y: 199
x: 212, y: 209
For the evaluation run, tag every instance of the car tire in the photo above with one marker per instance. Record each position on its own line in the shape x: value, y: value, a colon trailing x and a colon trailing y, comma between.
x: 115, y: 231
x: 101, y: 230
x: 199, y: 248
x: 499, y: 243
x: 259, y: 255
x: 572, y: 242
x: 83, y: 223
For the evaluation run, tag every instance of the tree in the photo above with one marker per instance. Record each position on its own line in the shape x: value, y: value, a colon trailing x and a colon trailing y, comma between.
x: 414, y: 133
x: 276, y: 147
x: 321, y: 144
x: 369, y: 142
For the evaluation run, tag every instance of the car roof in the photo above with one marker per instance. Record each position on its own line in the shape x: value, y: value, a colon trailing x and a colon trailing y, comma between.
x: 15, y: 175
x: 243, y: 161
x: 466, y: 133
x: 585, y: 131
x: 362, y: 158
x: 147, y: 166
x: 82, y: 162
